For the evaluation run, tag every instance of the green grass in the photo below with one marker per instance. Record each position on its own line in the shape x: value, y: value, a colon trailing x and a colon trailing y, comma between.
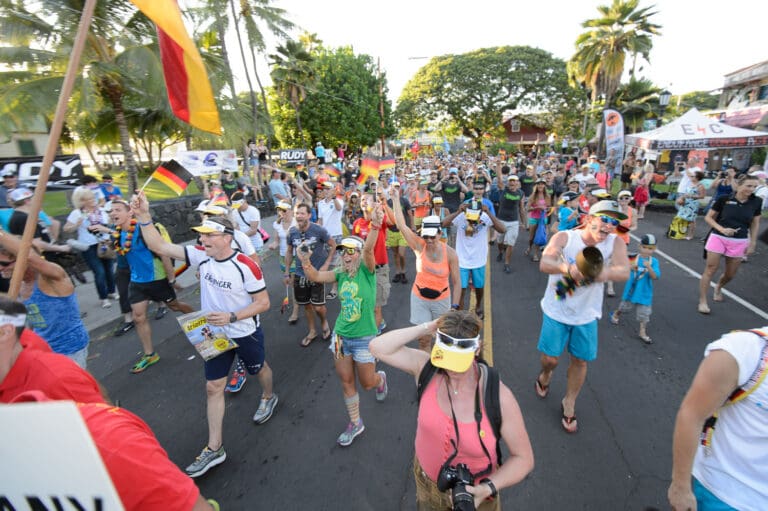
x: 55, y: 202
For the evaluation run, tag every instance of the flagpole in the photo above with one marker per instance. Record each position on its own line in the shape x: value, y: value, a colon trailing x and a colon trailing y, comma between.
x: 146, y: 183
x: 50, y: 150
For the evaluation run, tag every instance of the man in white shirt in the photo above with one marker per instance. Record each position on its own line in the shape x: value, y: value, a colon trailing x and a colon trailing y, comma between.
x: 330, y: 209
x: 247, y: 218
x: 687, y: 172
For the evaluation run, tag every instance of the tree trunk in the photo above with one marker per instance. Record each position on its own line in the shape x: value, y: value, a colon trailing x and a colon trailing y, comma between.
x: 93, y: 158
x: 245, y: 68
x: 125, y: 144
x: 221, y: 26
x: 267, y: 117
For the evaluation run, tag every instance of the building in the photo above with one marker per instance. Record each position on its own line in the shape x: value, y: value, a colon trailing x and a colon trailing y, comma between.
x: 744, y: 98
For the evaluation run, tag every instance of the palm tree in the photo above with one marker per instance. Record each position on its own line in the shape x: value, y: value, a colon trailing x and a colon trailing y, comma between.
x: 601, y: 51
x: 291, y: 73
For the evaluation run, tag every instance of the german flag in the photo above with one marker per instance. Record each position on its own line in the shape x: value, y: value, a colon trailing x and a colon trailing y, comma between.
x: 332, y: 171
x: 173, y: 175
x: 189, y: 90
x: 387, y: 162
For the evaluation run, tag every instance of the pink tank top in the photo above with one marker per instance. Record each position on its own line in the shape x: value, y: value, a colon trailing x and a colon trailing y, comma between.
x: 434, y: 432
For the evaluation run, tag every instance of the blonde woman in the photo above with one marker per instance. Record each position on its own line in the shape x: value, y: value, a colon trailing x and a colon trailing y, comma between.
x: 92, y: 225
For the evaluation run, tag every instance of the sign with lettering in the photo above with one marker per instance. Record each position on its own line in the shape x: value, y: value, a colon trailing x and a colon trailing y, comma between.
x: 65, y: 169
x: 292, y: 155
x: 50, y: 460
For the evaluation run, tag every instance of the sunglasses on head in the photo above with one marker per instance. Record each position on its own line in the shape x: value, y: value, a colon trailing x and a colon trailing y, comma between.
x: 446, y: 339
x: 608, y: 220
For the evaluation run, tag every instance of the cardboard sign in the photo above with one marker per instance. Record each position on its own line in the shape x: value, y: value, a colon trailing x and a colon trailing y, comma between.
x: 50, y: 461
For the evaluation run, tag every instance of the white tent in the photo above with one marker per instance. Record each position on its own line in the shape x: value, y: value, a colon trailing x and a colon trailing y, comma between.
x: 695, y: 131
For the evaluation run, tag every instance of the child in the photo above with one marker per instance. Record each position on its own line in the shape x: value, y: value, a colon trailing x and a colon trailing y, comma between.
x: 568, y: 213
x: 639, y: 288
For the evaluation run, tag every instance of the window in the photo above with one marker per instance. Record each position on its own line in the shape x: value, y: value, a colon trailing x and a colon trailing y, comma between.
x: 763, y: 93
x: 27, y: 147
x: 514, y: 125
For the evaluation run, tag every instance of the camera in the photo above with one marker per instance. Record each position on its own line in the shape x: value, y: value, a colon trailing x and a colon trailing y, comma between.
x: 456, y: 479
x: 305, y: 247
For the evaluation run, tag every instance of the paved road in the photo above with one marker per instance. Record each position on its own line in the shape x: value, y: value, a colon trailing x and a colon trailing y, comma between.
x: 620, y: 459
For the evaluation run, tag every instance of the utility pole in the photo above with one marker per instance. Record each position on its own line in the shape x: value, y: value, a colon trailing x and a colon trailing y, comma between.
x: 381, y: 104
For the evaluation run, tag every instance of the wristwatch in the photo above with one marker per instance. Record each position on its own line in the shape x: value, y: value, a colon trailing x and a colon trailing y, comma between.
x: 492, y: 486
x: 232, y: 317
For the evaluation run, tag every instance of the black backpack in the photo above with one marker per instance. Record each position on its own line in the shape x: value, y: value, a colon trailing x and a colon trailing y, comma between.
x: 490, y: 396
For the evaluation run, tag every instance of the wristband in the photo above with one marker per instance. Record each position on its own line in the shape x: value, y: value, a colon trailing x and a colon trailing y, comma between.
x: 144, y: 224
x: 492, y: 486
x: 455, y: 306
x: 214, y: 504
x: 172, y: 282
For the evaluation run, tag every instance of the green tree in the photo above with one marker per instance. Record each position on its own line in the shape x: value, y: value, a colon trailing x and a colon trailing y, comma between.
x: 472, y: 90
x: 292, y: 72
x: 637, y: 100
x: 343, y: 104
x: 601, y: 51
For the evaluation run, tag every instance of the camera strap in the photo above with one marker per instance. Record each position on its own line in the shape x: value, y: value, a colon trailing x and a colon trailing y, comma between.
x: 478, y: 419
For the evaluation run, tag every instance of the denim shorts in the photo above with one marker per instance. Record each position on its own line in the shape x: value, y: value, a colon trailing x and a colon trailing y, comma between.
x: 357, y: 347
x: 581, y: 340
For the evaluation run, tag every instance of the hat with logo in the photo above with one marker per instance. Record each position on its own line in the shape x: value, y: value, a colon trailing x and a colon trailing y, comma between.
x: 20, y: 194
x: 608, y: 208
x: 600, y: 193
x: 350, y: 242
x: 648, y: 239
x: 430, y: 226
x: 453, y: 354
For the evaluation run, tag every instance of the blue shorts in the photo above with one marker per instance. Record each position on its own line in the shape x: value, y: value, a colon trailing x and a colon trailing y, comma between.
x: 581, y: 340
x: 478, y: 277
x: 706, y: 500
x: 357, y: 347
x: 250, y: 349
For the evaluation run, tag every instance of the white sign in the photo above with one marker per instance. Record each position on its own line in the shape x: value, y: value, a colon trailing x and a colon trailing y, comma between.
x: 204, y: 163
x: 50, y: 461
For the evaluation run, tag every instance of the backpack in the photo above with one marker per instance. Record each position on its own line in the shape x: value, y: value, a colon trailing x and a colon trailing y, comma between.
x: 490, y: 397
x: 754, y: 381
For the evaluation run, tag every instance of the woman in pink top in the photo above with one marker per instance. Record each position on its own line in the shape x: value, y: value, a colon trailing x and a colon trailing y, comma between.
x: 447, y: 431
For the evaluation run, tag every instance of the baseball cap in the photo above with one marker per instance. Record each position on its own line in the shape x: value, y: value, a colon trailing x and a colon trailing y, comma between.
x: 350, y: 242
x: 624, y: 193
x: 453, y: 354
x: 212, y: 225
x: 586, y: 166
x: 539, y: 180
x: 106, y: 177
x: 203, y: 204
x: 648, y: 239
x: 20, y: 194
x: 215, y: 210
x: 437, y: 199
x: 513, y: 177
x: 327, y: 184
x: 568, y: 196
x: 9, y: 173
x: 601, y: 193
x: 430, y: 226
x: 453, y: 170
x: 473, y: 214
x: 283, y: 205
x: 592, y: 157
x: 424, y: 182
x: 608, y: 208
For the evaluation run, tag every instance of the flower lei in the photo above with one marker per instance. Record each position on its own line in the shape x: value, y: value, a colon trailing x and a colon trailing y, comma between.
x: 125, y: 248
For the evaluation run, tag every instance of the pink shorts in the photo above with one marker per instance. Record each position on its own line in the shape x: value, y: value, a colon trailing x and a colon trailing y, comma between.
x: 729, y: 247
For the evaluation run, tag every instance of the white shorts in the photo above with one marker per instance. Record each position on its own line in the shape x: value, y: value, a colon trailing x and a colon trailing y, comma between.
x: 513, y: 229
x: 428, y: 310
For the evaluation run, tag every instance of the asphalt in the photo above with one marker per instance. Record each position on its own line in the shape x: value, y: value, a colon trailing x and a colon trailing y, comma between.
x: 619, y: 459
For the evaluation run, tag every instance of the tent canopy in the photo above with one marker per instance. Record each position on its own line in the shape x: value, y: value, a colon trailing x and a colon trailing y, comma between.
x: 692, y: 131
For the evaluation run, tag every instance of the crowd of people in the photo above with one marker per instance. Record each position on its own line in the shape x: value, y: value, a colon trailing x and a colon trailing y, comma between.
x: 334, y: 227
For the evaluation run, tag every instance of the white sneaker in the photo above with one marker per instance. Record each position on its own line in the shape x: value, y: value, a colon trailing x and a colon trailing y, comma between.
x: 106, y: 303
x: 114, y: 296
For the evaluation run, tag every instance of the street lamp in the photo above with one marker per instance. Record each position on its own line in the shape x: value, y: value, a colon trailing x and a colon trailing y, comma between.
x: 664, y: 97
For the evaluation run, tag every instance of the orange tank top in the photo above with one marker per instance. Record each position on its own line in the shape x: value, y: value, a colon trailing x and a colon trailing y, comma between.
x: 625, y: 223
x: 417, y: 197
x: 430, y: 274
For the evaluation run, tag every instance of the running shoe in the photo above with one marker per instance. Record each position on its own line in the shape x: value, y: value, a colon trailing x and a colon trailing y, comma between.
x: 206, y: 461
x: 236, y: 382
x: 144, y: 362
x: 106, y: 303
x: 349, y: 434
x: 161, y: 312
x: 265, y: 410
x: 382, y: 327
x: 383, y: 389
x: 124, y: 329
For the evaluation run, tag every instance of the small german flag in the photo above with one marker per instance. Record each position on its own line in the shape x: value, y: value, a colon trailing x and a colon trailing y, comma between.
x: 387, y: 162
x: 173, y: 175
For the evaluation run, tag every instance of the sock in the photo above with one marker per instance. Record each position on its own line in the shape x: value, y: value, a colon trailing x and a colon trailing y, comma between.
x: 353, y: 407
x: 239, y: 366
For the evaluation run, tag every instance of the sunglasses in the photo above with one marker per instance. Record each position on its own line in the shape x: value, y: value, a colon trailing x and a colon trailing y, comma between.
x: 349, y: 250
x: 625, y: 198
x: 446, y: 339
x: 5, y: 264
x: 427, y: 237
x: 608, y: 220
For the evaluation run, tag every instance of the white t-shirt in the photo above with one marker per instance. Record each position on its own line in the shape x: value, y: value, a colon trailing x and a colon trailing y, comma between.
x: 685, y: 180
x: 586, y: 303
x: 282, y: 235
x: 96, y: 218
x: 582, y: 179
x: 228, y: 286
x: 330, y: 216
x: 472, y: 250
x: 242, y: 242
x: 244, y: 219
x: 735, y: 465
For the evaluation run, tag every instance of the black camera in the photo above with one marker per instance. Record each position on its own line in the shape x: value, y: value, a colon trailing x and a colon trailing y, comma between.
x: 306, y: 246
x: 456, y: 479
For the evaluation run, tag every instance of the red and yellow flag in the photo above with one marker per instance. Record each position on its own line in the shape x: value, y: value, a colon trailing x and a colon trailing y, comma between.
x: 189, y: 90
x: 173, y: 175
x: 387, y: 162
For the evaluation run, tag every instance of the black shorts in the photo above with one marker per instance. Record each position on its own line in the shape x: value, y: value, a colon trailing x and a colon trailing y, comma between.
x: 157, y: 290
x: 250, y: 349
x: 626, y: 178
x: 308, y: 292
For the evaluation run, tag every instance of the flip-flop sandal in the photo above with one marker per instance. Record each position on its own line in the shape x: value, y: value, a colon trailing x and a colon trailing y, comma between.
x: 614, y: 318
x: 480, y: 314
x: 331, y: 295
x: 307, y: 341
x: 570, y: 424
x: 541, y: 390
x: 293, y: 321
x: 327, y: 334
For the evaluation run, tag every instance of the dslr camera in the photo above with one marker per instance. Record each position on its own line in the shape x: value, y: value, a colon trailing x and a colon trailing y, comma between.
x: 306, y: 246
x: 456, y: 479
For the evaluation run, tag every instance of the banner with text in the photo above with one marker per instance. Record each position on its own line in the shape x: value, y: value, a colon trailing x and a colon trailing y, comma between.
x: 66, y: 169
x: 292, y: 155
x: 204, y: 163
x: 614, y: 141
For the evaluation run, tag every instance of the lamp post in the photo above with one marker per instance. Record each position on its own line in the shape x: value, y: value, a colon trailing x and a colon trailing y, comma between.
x: 664, y: 97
